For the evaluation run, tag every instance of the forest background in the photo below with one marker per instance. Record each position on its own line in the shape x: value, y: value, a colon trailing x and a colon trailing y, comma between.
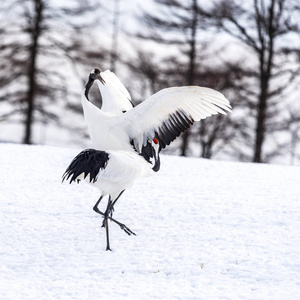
x: 248, y: 51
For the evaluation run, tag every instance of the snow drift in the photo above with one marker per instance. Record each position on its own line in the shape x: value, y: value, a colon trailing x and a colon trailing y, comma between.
x: 205, y: 230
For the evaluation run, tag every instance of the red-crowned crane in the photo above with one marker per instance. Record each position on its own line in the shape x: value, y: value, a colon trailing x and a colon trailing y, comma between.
x: 112, y: 171
x: 130, y: 138
x: 164, y: 116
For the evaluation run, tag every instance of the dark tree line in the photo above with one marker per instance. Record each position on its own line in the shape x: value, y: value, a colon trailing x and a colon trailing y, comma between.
x: 179, y: 25
x: 248, y: 51
x: 262, y: 28
x: 258, y: 79
x: 36, y: 41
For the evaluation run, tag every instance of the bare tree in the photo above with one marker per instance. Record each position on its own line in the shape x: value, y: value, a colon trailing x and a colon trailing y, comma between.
x: 114, y: 44
x: 34, y: 28
x: 177, y: 25
x: 183, y: 20
x: 215, y: 133
x: 265, y: 27
x: 33, y: 56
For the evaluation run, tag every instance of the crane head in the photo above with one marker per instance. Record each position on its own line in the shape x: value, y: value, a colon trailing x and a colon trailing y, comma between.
x: 96, y: 74
x: 155, y: 154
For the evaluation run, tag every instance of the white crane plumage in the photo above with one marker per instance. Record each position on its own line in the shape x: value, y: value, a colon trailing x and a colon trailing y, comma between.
x: 164, y: 115
x: 115, y: 97
x: 130, y: 138
x: 112, y: 172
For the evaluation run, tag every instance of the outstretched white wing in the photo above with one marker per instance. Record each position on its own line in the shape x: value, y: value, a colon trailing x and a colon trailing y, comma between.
x: 166, y: 114
x: 115, y: 96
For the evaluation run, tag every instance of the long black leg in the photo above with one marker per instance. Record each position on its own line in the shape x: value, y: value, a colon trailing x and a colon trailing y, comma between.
x: 95, y: 208
x: 105, y: 222
x: 122, y: 226
x: 108, y: 210
x: 107, y: 235
x: 114, y: 202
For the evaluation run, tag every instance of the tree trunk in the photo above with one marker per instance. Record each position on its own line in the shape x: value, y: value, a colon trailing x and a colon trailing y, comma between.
x: 260, y: 124
x: 191, y: 70
x: 266, y: 63
x: 35, y: 32
x: 114, y: 43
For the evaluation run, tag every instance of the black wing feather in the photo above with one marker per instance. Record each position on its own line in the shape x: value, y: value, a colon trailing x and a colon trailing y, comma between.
x: 171, y: 128
x: 89, y: 162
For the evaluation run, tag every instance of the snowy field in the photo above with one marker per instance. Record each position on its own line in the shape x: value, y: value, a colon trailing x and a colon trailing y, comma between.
x: 205, y: 230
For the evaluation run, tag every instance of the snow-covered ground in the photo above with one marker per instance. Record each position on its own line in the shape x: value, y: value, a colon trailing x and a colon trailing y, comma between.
x: 205, y: 230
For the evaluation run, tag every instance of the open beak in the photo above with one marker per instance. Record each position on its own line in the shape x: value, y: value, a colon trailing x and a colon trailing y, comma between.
x: 98, y: 76
x: 101, y: 79
x: 93, y: 76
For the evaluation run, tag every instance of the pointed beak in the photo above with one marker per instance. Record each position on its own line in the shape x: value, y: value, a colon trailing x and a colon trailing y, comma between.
x: 97, y: 75
x: 155, y: 148
x: 93, y: 76
x: 155, y: 151
x: 101, y: 79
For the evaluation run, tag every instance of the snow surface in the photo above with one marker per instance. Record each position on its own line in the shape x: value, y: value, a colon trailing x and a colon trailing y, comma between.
x: 205, y: 230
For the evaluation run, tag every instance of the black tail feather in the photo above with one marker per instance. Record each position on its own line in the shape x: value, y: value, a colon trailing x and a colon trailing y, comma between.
x: 88, y: 162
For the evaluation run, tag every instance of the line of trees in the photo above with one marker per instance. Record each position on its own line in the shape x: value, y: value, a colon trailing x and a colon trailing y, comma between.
x: 248, y: 51
x: 260, y: 78
x: 37, y: 43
